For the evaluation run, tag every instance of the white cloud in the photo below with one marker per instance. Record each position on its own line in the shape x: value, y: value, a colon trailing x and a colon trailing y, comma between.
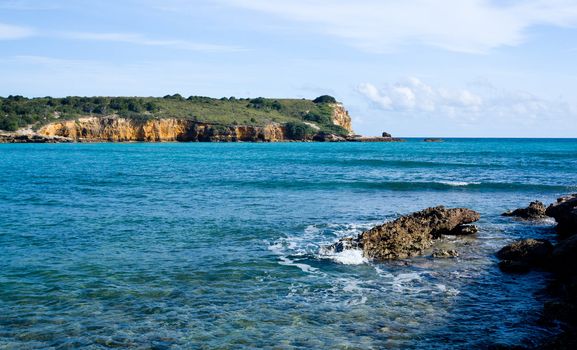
x: 473, y: 26
x: 10, y: 32
x: 138, y: 39
x: 476, y: 103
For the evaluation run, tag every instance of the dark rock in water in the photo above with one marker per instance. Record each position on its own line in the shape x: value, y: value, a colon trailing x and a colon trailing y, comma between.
x: 441, y: 253
x: 433, y: 140
x: 386, y: 134
x: 463, y: 230
x: 565, y: 213
x: 343, y: 244
x: 564, y: 257
x: 514, y: 266
x: 324, y: 137
x: 520, y: 256
x: 560, y: 311
x: 535, y: 210
x: 409, y: 235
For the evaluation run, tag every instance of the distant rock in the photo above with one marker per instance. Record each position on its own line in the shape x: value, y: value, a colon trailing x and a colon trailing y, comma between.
x: 433, y: 140
x: 409, y: 235
x: 324, y: 137
x: 386, y: 134
x: 523, y: 255
x: 535, y: 211
x: 31, y: 138
x: 565, y: 213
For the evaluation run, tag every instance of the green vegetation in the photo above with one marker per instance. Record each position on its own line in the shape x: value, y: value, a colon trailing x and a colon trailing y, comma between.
x: 17, y: 111
x: 325, y: 99
x: 299, y: 131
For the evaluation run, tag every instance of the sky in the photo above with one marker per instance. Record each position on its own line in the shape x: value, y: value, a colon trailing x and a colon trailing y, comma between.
x: 447, y: 68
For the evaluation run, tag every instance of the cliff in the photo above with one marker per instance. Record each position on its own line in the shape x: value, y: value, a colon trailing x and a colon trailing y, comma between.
x: 341, y: 117
x: 118, y: 129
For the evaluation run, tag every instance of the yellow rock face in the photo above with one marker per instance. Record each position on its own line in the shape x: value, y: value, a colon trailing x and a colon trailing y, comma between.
x: 341, y: 117
x: 117, y: 129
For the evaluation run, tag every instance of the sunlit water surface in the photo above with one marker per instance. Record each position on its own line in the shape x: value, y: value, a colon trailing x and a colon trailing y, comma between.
x: 220, y: 245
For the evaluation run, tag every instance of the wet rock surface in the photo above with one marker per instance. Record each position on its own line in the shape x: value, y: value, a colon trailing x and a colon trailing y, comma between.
x: 409, y: 235
x: 564, y: 211
x: 535, y: 211
x: 444, y: 254
x: 529, y: 251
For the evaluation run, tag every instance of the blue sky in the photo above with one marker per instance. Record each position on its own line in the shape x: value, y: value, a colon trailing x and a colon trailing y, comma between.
x: 412, y: 67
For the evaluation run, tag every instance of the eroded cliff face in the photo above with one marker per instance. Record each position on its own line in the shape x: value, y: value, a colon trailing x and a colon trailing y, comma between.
x: 117, y: 129
x: 341, y: 117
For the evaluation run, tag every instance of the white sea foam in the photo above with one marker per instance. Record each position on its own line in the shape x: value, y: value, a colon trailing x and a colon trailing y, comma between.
x: 458, y: 183
x: 304, y: 267
x: 346, y: 257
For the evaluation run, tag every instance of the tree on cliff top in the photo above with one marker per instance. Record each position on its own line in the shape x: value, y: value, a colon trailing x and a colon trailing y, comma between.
x: 325, y: 99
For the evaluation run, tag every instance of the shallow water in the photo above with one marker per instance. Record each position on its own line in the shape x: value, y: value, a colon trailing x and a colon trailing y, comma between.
x: 220, y: 245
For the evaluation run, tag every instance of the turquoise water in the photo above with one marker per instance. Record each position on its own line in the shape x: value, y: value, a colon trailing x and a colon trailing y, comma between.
x: 209, y: 246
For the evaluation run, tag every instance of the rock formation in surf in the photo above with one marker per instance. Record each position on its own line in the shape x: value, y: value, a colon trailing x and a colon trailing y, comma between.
x: 409, y: 235
x: 535, y: 211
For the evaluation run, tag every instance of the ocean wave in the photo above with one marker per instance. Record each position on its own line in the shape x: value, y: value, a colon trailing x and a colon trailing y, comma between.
x: 438, y: 185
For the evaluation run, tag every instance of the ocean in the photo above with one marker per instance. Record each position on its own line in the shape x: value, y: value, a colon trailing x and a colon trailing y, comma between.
x: 220, y: 246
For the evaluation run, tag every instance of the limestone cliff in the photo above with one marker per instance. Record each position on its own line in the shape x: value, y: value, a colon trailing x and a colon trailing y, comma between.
x: 341, y: 117
x: 118, y: 129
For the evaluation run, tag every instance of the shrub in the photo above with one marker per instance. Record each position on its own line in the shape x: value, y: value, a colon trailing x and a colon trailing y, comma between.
x: 298, y: 131
x: 325, y: 99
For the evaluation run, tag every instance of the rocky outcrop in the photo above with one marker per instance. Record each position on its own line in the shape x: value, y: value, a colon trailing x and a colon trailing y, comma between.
x: 408, y: 235
x: 358, y: 138
x: 535, y: 211
x: 523, y: 255
x: 31, y: 138
x: 341, y: 117
x: 564, y: 211
x: 564, y: 257
x: 117, y: 129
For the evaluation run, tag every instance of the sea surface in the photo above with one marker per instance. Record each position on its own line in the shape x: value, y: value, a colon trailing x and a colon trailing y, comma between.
x: 220, y: 246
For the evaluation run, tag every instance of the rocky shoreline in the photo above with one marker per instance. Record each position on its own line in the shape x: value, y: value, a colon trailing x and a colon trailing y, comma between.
x: 410, y: 235
x: 559, y: 258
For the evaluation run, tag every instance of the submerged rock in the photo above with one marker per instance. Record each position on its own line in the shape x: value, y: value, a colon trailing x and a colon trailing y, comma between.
x: 523, y: 255
x: 535, y: 210
x: 409, y: 235
x: 441, y: 253
x: 565, y: 213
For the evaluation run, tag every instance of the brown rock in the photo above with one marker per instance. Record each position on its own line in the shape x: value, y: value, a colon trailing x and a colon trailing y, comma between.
x: 409, y: 235
x: 535, y: 210
x: 520, y: 256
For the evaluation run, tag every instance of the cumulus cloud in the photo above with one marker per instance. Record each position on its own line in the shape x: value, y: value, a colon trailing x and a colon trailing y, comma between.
x: 469, y: 105
x: 10, y: 32
x: 473, y: 26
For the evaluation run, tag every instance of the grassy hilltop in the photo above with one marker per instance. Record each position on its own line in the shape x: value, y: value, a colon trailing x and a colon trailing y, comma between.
x: 18, y: 112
